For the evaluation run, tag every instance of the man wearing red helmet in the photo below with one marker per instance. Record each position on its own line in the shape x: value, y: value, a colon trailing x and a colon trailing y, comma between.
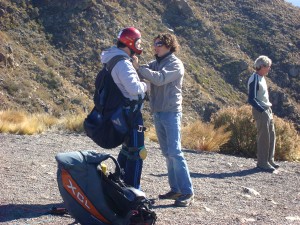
x: 126, y: 78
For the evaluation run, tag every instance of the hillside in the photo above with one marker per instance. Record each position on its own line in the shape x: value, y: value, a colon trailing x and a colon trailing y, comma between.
x: 52, y: 50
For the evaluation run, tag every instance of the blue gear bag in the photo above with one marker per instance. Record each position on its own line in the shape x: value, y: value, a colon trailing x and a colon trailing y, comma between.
x: 94, y: 198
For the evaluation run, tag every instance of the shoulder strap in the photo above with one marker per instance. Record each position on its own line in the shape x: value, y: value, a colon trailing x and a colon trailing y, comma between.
x: 114, y: 60
x: 108, y: 66
x: 106, y: 88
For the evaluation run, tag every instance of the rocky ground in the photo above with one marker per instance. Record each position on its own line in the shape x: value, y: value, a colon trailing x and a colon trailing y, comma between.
x: 228, y: 189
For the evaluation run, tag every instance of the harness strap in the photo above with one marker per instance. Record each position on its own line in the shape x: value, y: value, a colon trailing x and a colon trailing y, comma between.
x: 113, y: 61
x: 127, y: 102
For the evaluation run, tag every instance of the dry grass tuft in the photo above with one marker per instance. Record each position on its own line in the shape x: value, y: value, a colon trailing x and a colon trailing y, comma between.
x: 20, y: 122
x: 203, y: 136
x: 72, y: 122
x: 150, y: 133
x: 287, y: 141
x: 240, y: 122
x: 13, y: 116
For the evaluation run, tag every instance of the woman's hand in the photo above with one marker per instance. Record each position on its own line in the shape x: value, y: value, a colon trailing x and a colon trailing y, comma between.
x: 135, y: 62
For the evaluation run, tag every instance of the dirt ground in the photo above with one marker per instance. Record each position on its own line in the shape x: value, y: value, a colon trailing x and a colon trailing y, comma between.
x: 228, y: 189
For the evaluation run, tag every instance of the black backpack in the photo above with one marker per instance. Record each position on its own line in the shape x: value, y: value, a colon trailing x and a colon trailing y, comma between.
x: 107, y: 124
x: 93, y: 197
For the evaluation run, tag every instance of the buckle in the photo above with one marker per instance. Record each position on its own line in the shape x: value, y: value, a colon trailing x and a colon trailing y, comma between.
x: 140, y: 128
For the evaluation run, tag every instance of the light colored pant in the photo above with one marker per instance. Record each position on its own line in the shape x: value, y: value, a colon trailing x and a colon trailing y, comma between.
x: 266, y: 137
x: 168, y: 126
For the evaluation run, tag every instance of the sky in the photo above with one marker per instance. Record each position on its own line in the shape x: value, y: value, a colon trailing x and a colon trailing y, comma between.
x: 294, y: 2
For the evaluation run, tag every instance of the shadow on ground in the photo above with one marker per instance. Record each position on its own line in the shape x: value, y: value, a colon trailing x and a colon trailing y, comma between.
x: 240, y: 173
x: 25, y: 211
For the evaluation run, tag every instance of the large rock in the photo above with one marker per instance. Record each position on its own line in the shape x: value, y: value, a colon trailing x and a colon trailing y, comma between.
x: 184, y: 6
x: 294, y: 70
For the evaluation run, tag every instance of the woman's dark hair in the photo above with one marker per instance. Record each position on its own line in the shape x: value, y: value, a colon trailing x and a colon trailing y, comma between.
x: 169, y: 40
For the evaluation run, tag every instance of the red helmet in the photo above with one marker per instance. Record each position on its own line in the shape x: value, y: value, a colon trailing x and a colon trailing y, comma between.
x: 129, y: 37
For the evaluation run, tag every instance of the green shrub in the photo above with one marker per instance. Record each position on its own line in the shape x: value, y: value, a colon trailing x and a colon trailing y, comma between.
x: 243, y: 140
x: 11, y: 87
x: 50, y: 79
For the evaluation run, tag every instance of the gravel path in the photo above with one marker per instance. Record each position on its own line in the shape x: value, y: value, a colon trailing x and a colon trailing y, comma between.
x: 228, y: 189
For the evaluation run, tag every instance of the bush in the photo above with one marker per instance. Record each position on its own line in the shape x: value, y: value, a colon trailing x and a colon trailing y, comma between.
x: 240, y: 122
x: 287, y: 141
x: 150, y: 133
x: 18, y: 122
x: 203, y: 136
x: 72, y: 122
x: 198, y: 136
x: 243, y: 140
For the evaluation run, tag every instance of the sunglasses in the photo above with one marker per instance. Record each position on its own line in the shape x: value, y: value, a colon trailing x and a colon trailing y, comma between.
x: 158, y: 44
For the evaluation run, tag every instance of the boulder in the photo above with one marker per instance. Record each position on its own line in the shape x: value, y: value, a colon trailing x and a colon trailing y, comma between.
x: 183, y: 7
x: 294, y: 70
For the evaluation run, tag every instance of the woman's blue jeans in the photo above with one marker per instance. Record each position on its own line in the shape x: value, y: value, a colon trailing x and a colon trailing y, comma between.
x: 168, y: 130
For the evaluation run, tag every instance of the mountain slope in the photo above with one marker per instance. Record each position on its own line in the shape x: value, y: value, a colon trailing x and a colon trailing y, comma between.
x: 55, y: 48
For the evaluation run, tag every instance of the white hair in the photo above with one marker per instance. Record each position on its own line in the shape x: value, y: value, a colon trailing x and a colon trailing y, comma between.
x: 262, y: 61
